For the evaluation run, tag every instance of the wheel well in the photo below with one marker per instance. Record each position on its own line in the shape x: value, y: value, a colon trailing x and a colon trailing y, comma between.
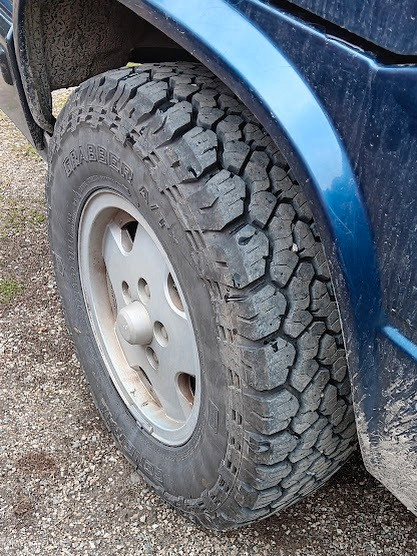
x: 61, y: 44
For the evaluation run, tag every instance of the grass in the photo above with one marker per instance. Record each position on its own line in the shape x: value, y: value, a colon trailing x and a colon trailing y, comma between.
x: 16, y: 216
x: 9, y: 289
x: 26, y: 150
x: 36, y: 217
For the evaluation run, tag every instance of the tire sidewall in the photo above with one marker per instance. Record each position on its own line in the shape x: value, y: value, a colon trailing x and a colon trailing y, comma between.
x: 74, y: 176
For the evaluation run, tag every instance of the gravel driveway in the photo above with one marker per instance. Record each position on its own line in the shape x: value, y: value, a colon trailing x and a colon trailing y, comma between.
x: 64, y: 488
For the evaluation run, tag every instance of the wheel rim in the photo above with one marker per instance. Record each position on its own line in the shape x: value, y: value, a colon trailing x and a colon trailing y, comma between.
x: 139, y: 317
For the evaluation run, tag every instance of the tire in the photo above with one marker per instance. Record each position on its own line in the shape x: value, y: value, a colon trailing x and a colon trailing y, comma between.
x: 275, y: 418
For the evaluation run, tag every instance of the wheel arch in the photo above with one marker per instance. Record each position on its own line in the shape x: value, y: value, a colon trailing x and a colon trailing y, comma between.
x: 61, y: 44
x: 241, y: 55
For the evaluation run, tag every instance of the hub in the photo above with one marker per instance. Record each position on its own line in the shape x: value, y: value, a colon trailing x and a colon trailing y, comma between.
x: 134, y: 325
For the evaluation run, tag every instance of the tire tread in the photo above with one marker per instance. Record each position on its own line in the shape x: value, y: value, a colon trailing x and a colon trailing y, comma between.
x: 291, y: 425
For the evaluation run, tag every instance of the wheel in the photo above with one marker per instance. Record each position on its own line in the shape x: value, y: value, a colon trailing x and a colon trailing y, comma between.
x: 197, y: 293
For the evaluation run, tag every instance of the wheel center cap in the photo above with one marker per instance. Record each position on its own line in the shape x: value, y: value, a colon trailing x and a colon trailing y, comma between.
x: 134, y: 325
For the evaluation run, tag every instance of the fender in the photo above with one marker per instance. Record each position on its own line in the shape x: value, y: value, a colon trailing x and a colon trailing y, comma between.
x: 227, y: 41
x: 235, y: 49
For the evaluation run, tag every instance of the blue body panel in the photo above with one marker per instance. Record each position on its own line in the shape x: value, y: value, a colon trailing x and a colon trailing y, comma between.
x: 348, y: 127
x: 388, y: 23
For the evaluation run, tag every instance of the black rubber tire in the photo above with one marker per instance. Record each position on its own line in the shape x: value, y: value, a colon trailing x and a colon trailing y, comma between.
x: 276, y: 419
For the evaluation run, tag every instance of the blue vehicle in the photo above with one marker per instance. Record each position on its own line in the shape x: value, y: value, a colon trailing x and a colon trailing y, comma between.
x: 232, y: 216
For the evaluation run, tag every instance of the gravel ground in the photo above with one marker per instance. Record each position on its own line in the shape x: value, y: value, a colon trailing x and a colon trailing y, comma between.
x: 64, y: 488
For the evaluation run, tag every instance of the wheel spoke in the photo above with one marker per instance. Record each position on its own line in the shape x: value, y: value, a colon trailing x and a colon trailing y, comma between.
x: 149, y: 265
x: 163, y: 379
x: 174, y: 404
x: 179, y: 355
x: 116, y: 261
x: 134, y: 355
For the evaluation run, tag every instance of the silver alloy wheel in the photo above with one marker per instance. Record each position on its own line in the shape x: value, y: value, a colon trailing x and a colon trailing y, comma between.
x: 139, y: 317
